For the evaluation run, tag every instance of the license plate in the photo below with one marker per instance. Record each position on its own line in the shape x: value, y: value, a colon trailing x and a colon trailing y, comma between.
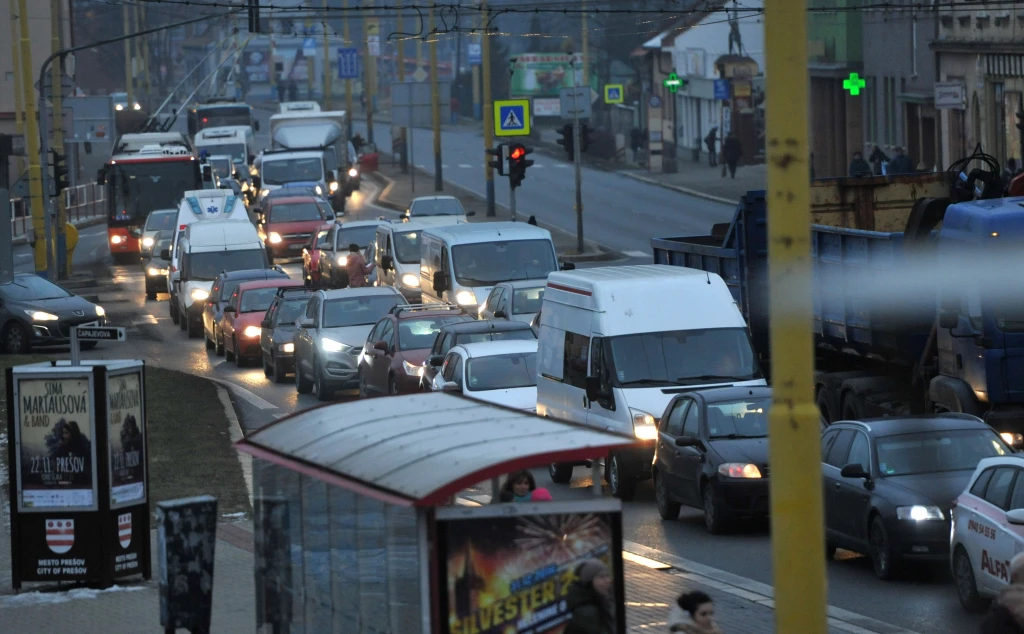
x: 294, y: 247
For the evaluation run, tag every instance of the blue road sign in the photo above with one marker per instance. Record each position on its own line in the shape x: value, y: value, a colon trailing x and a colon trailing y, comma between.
x: 476, y: 57
x: 512, y: 117
x: 309, y: 44
x: 721, y: 89
x: 348, y: 63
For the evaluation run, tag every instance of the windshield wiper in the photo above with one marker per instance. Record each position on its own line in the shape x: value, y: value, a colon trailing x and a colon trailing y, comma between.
x: 645, y: 382
x: 735, y: 436
x: 715, y: 377
x: 472, y: 281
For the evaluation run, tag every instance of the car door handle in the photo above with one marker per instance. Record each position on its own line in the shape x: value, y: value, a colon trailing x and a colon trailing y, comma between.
x: 837, y: 486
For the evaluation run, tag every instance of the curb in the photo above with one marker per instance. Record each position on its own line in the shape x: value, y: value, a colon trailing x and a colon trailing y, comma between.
x: 681, y: 190
x: 87, y: 222
x: 236, y: 433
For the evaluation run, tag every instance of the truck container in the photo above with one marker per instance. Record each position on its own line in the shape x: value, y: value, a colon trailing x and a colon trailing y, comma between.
x: 925, y: 352
x: 323, y: 130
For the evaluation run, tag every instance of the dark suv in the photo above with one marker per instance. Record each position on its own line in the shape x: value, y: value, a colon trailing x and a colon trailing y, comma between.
x: 469, y: 332
x: 220, y: 293
x: 276, y: 345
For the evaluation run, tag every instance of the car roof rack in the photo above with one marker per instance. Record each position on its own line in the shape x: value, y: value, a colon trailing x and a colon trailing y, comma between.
x: 958, y: 416
x: 287, y: 290
x: 407, y: 308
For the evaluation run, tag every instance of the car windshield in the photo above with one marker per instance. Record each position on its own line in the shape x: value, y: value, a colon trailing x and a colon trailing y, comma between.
x: 747, y: 418
x: 527, y: 300
x: 235, y: 150
x: 32, y: 287
x: 683, y: 357
x: 407, y: 247
x: 281, y: 171
x: 362, y: 236
x: 502, y: 372
x: 489, y: 263
x: 162, y: 220
x: 526, y: 334
x: 436, y: 207
x: 937, y: 451
x: 321, y: 238
x: 159, y: 246
x: 207, y: 266
x: 290, y: 310
x: 223, y: 165
x: 257, y: 300
x: 358, y: 311
x: 295, y: 212
x: 419, y: 334
x: 222, y: 116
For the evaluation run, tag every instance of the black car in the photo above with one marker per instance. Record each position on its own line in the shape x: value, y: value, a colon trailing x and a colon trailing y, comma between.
x: 156, y: 267
x: 890, y: 484
x: 220, y: 293
x: 712, y: 454
x: 276, y: 346
x: 469, y: 332
x: 37, y: 312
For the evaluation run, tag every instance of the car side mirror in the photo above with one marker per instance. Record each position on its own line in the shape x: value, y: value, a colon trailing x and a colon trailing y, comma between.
x: 1016, y: 516
x: 381, y: 345
x: 568, y: 266
x: 387, y: 262
x: 948, y: 318
x: 440, y: 282
x: 436, y: 360
x: 265, y: 323
x: 165, y: 254
x: 251, y: 157
x: 305, y: 322
x: 228, y: 309
x: 689, y: 441
x: 451, y: 386
x: 593, y: 386
x: 854, y: 471
x: 470, y: 214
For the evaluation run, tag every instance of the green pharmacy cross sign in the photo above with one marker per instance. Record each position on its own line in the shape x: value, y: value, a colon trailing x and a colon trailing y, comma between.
x: 854, y: 83
x: 672, y: 82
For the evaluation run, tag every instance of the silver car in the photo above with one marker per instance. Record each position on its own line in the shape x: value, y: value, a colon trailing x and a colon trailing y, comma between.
x: 329, y: 337
x: 517, y: 301
x: 157, y: 221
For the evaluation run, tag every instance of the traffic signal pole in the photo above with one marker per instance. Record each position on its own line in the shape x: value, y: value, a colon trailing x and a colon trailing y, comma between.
x: 435, y: 107
x: 35, y: 170
x: 488, y: 105
x: 577, y: 162
x: 61, y: 269
x: 798, y: 543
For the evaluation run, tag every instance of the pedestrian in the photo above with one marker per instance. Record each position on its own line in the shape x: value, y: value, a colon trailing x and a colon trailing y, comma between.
x: 454, y: 105
x: 693, y: 613
x: 532, y: 221
x: 589, y: 600
x: 731, y: 152
x: 877, y: 160
x: 293, y: 90
x: 519, y: 487
x: 1007, y: 613
x: 356, y: 267
x: 711, y: 140
x: 901, y: 163
x: 636, y: 140
x: 540, y: 494
x: 1010, y: 171
x: 858, y: 166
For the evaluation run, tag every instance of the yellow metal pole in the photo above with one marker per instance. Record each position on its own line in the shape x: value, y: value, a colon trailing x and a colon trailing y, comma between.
x: 435, y: 106
x: 35, y: 176
x: 19, y: 107
x: 585, y: 37
x: 348, y: 82
x: 328, y: 87
x: 57, y: 143
x: 488, y: 111
x: 798, y: 543
x: 128, y: 52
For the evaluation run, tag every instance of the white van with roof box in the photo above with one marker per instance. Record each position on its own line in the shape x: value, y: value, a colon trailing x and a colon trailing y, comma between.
x: 460, y: 264
x: 617, y: 343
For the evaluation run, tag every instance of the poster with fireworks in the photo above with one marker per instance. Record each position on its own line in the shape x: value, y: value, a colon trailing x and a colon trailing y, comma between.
x: 56, y: 455
x: 125, y: 436
x: 511, y: 572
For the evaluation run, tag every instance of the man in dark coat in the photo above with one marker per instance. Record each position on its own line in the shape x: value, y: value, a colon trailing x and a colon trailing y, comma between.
x: 858, y: 166
x: 711, y: 140
x: 731, y: 152
x: 900, y: 164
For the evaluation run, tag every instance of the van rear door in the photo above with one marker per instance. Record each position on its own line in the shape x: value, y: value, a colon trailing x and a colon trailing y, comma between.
x: 564, y: 349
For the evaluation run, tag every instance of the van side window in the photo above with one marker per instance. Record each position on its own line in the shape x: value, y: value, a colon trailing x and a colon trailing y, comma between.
x: 574, y: 363
x: 311, y: 308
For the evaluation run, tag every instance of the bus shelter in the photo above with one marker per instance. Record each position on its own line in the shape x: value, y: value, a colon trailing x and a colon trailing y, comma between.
x: 357, y: 529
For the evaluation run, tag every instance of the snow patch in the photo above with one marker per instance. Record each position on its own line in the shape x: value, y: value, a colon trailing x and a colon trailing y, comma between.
x: 234, y: 515
x: 52, y: 598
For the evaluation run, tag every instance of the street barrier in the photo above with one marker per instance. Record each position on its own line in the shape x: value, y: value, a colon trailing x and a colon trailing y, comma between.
x: 81, y: 202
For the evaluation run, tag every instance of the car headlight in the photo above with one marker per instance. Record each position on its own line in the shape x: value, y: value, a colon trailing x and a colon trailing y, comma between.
x: 353, y: 172
x: 1012, y: 439
x: 412, y: 370
x: 465, y: 298
x: 137, y: 107
x: 739, y: 470
x: 411, y: 280
x: 319, y: 190
x: 252, y: 331
x: 100, y: 312
x: 330, y: 345
x: 118, y: 107
x: 264, y: 192
x: 38, y: 315
x: 288, y: 347
x: 199, y: 294
x: 919, y: 513
x: 275, y: 237
x: 147, y: 242
x: 644, y: 425
x: 342, y: 260
x: 333, y: 186
x: 116, y: 239
x: 153, y: 271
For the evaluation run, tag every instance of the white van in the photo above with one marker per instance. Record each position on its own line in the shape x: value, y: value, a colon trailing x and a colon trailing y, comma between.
x: 205, y: 250
x: 299, y: 106
x: 236, y: 141
x: 617, y: 343
x: 460, y: 264
x: 398, y: 258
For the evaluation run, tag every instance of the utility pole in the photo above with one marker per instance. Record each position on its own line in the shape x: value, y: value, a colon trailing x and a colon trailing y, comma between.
x: 348, y: 82
x: 435, y: 106
x: 798, y: 543
x: 59, y: 259
x: 404, y: 132
x: 371, y: 28
x: 272, y: 70
x: 585, y: 39
x: 137, y: 53
x: 35, y: 172
x: 19, y: 107
x: 328, y: 87
x: 310, y: 59
x: 577, y: 160
x: 474, y: 69
x: 128, y: 51
x: 147, y: 70
x: 488, y: 112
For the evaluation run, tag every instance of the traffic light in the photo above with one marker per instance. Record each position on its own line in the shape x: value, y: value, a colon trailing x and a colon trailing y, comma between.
x: 585, y: 131
x: 60, y: 171
x: 517, y: 163
x: 566, y: 141
x: 500, y: 155
x: 254, y: 16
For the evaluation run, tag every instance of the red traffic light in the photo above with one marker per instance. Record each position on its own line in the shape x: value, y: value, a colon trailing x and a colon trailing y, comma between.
x: 518, y: 152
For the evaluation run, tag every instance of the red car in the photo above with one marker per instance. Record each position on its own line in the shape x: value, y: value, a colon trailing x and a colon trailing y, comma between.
x: 311, y: 256
x: 287, y: 224
x: 240, y: 325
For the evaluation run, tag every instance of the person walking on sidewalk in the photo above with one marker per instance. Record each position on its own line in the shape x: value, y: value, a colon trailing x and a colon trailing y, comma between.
x: 589, y: 600
x: 711, y: 140
x: 636, y: 141
x: 731, y: 152
x: 693, y: 613
x: 356, y: 267
x: 518, y: 487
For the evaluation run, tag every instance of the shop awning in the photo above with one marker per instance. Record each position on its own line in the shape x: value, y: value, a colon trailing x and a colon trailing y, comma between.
x: 421, y: 449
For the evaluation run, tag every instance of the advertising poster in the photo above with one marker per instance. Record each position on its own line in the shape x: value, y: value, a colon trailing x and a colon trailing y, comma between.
x: 542, y: 74
x: 514, y: 575
x: 257, y: 65
x: 125, y: 436
x: 56, y: 458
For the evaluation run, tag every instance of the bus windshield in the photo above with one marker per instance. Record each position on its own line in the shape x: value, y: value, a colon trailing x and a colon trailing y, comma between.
x: 135, y: 189
x: 220, y: 116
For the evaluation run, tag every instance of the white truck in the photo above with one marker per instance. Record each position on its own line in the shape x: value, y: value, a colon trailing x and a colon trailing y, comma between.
x: 326, y: 132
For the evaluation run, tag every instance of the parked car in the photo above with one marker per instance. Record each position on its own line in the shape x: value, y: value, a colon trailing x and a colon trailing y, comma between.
x: 220, y: 293
x: 240, y: 326
x: 392, y: 359
x: 154, y: 266
x: 460, y: 333
x: 889, y: 484
x: 35, y: 312
x: 286, y: 224
x: 311, y: 256
x: 334, y: 255
x: 712, y: 454
x: 277, y: 329
x: 988, y: 530
x: 519, y: 301
x: 436, y: 211
x: 330, y: 336
x: 158, y: 220
x: 499, y: 372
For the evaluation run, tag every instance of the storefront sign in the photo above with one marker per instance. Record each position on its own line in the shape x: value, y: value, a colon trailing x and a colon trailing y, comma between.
x: 950, y: 95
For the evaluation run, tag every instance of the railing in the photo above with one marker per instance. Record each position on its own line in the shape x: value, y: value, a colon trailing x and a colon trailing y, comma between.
x: 84, y: 201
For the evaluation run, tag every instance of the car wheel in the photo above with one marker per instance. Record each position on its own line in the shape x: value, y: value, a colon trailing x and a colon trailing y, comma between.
x: 364, y: 391
x: 714, y: 522
x: 239, y: 359
x: 172, y: 307
x: 302, y: 385
x: 267, y: 370
x: 621, y: 485
x: 321, y: 391
x: 218, y: 343
x: 229, y: 355
x: 150, y: 295
x: 209, y: 341
x: 966, y: 587
x: 668, y: 509
x: 182, y: 320
x: 277, y: 369
x: 560, y: 473
x: 392, y: 386
x: 16, y: 339
x: 881, y: 549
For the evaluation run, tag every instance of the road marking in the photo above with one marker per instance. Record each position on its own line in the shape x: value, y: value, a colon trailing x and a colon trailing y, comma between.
x: 23, y: 255
x: 562, y: 164
x: 465, y: 166
x: 145, y: 320
x: 637, y: 254
x: 422, y: 167
x: 244, y: 459
x: 246, y: 395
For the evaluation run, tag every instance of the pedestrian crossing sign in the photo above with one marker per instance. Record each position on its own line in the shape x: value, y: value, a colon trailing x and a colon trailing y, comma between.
x: 512, y: 117
x: 613, y: 93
